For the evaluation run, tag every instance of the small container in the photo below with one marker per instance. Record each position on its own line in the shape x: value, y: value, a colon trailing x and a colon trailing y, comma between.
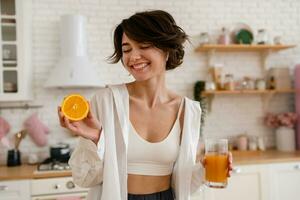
x: 242, y: 142
x: 210, y: 86
x: 229, y: 82
x: 262, y: 37
x: 204, y: 38
x: 216, y: 74
x: 261, y: 84
x: 13, y: 158
x: 248, y: 83
x: 224, y: 37
x: 261, y: 143
x: 272, y: 83
x: 253, y: 143
x: 277, y: 40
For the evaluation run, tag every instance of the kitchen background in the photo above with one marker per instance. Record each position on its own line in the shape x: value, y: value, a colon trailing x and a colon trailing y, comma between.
x: 230, y: 115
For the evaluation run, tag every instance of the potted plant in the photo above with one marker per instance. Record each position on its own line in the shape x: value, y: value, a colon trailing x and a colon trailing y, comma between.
x: 285, y: 133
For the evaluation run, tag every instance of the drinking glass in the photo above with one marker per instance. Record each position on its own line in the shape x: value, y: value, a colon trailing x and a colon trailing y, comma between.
x: 216, y: 162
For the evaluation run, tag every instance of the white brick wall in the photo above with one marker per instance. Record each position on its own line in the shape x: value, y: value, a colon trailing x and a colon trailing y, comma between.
x: 231, y: 115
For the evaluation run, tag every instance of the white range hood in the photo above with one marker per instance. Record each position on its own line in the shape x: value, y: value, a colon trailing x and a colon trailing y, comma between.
x: 73, y: 69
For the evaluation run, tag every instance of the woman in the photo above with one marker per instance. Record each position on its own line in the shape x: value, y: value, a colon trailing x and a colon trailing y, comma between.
x: 140, y: 139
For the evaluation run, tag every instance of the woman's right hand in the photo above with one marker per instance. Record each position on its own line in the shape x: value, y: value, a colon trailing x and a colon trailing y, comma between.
x: 89, y: 127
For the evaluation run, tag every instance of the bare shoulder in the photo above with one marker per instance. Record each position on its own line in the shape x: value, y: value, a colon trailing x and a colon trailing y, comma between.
x: 175, y: 98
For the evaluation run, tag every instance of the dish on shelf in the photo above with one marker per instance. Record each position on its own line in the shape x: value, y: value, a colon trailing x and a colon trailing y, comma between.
x: 242, y: 34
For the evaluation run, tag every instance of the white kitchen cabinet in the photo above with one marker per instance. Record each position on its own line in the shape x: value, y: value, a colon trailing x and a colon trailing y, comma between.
x: 285, y: 181
x: 15, y: 50
x: 15, y: 190
x: 247, y: 183
x: 54, y: 188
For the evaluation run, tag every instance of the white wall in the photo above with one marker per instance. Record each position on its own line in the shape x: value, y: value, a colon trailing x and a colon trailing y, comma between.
x: 231, y: 115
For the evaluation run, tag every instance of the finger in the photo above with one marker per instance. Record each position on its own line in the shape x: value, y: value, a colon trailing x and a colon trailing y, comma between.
x: 230, y: 158
x: 70, y: 126
x: 90, y: 114
x: 203, y: 161
x: 60, y: 116
x: 229, y: 174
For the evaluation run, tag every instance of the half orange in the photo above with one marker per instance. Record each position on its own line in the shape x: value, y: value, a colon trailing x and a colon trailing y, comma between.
x: 75, y: 107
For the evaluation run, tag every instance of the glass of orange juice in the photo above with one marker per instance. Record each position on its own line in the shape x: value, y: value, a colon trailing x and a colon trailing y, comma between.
x: 216, y: 162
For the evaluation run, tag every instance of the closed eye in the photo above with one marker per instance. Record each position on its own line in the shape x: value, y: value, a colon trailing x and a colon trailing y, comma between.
x: 126, y: 50
x: 145, y: 45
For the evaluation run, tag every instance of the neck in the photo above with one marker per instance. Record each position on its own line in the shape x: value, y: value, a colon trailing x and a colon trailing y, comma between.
x: 152, y: 91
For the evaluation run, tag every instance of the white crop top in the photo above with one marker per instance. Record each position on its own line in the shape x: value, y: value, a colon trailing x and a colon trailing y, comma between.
x: 153, y: 159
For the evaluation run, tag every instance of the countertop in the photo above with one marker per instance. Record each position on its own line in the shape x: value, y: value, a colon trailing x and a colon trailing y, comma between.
x: 239, y: 158
x: 264, y: 157
x: 29, y: 172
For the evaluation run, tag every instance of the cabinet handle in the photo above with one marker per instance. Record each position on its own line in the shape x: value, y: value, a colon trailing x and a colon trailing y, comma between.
x: 3, y: 187
x: 297, y: 167
x: 70, y: 185
x: 56, y: 186
x: 236, y: 170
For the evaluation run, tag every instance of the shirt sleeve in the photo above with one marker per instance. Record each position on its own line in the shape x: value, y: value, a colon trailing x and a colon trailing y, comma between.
x: 86, y: 164
x: 86, y: 160
x: 197, y: 177
x: 198, y: 171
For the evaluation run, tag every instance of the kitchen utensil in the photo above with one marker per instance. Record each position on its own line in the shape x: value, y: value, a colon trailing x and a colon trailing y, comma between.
x: 18, y: 138
x: 13, y: 158
x: 60, y: 152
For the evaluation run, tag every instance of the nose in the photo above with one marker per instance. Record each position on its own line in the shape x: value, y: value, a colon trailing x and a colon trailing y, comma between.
x: 135, y: 55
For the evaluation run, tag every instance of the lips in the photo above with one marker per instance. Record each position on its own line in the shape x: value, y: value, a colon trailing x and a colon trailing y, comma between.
x: 139, y: 66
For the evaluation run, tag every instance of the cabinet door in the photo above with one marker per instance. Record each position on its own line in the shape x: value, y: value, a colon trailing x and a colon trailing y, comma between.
x: 15, y: 50
x: 246, y: 183
x: 285, y: 181
x: 15, y: 190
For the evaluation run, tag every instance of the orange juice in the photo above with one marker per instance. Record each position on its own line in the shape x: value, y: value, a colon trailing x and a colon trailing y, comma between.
x: 216, y: 167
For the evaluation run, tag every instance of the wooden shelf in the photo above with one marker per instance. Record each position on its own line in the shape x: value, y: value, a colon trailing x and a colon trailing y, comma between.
x: 241, y: 48
x: 227, y: 92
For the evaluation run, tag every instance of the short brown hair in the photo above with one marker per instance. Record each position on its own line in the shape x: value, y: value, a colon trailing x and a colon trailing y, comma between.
x: 156, y: 27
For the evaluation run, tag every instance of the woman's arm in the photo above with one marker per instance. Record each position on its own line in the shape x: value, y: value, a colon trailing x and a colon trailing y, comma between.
x: 87, y: 158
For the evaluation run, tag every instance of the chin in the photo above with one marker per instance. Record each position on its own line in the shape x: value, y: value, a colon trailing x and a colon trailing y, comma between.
x: 140, y: 78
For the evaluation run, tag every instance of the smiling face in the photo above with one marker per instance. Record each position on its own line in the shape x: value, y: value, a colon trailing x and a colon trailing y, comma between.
x: 142, y: 60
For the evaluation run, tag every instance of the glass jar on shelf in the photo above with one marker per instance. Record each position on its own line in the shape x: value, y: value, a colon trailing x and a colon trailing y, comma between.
x: 262, y: 37
x: 204, y: 38
x: 229, y: 82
